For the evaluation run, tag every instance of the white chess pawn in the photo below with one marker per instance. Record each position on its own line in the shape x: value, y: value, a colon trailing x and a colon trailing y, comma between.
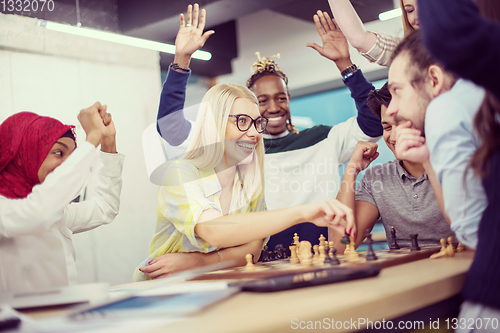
x: 250, y: 267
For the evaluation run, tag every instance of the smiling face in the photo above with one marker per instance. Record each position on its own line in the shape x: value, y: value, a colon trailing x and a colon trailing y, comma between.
x: 410, y: 8
x: 274, y: 102
x: 240, y: 146
x: 59, y: 152
x: 387, y: 124
x: 409, y: 100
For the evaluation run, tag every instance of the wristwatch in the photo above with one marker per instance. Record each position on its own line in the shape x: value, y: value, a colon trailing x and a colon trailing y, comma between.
x: 351, y: 69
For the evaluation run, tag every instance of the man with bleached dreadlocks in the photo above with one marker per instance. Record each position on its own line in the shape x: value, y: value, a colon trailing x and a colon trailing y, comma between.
x: 300, y: 167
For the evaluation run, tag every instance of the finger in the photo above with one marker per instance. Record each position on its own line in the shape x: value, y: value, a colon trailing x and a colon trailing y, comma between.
x: 181, y: 19
x: 328, y: 20
x: 107, y: 119
x: 196, y: 11
x: 348, y: 213
x: 160, y: 272
x: 315, y: 46
x: 328, y: 210
x: 205, y: 36
x: 319, y: 27
x: 374, y: 157
x: 96, y: 105
x: 337, y: 27
x: 323, y: 21
x: 189, y: 14
x: 203, y: 16
x: 150, y: 268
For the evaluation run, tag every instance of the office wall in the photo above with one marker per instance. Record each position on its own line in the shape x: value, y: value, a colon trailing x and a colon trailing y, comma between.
x: 57, y: 75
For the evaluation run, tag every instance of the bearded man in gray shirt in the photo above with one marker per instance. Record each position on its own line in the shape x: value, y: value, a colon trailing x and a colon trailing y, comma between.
x: 399, y: 192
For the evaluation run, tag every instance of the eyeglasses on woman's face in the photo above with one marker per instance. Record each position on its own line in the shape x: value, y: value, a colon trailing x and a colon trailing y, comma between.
x: 244, y: 122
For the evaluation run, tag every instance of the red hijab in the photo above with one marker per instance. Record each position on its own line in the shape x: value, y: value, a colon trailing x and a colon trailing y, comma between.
x: 25, y: 140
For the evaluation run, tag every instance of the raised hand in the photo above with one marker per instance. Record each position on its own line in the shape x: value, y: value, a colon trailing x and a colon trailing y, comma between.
x: 363, y: 155
x: 190, y: 37
x: 335, y: 46
x: 108, y: 144
x: 410, y: 144
x: 92, y: 123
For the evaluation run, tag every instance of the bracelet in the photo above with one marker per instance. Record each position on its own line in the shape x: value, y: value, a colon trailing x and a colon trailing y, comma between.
x: 176, y: 66
x: 218, y: 254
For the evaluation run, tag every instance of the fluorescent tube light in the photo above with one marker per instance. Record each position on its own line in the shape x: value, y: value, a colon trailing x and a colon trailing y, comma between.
x: 390, y: 14
x: 121, y: 39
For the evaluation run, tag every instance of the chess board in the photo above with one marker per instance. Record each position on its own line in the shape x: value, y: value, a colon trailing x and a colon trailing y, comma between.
x: 386, y: 258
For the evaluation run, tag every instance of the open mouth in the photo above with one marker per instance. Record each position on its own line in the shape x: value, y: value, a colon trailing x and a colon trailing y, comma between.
x: 247, y: 147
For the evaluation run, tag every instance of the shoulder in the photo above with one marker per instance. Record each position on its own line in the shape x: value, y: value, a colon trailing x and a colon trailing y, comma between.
x: 294, y: 141
x: 381, y: 171
x: 180, y: 170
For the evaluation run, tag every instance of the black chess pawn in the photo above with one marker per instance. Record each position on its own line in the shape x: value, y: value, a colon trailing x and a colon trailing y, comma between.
x: 414, y: 243
x: 327, y: 253
x: 393, y: 244
x: 278, y: 252
x: 345, y: 239
x: 335, y: 260
x: 265, y: 256
x: 270, y: 255
x: 370, y: 255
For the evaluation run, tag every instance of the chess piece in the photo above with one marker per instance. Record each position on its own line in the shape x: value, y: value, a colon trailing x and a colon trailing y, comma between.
x: 316, y: 254
x: 250, y: 267
x: 444, y: 252
x: 322, y: 240
x: 352, y: 255
x: 460, y: 247
x: 278, y: 252
x: 326, y: 250
x: 270, y: 255
x: 347, y: 249
x: 335, y: 260
x: 322, y: 255
x: 450, y: 249
x: 293, y: 258
x: 296, y: 242
x: 330, y: 245
x: 345, y: 239
x: 265, y: 257
x: 414, y: 243
x: 305, y: 255
x: 370, y: 255
x: 450, y: 242
x: 393, y: 244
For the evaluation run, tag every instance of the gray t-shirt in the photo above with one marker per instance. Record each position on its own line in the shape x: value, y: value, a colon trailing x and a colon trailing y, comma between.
x: 404, y: 202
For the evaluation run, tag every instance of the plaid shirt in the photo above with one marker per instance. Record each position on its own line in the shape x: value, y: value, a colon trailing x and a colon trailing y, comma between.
x: 382, y: 51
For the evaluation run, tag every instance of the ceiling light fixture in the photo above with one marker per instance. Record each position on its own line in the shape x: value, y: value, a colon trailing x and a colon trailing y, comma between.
x: 121, y: 39
x: 390, y: 14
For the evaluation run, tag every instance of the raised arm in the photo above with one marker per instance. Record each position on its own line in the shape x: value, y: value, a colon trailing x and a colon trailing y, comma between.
x: 335, y: 48
x: 365, y: 213
x: 351, y: 25
x: 171, y: 123
x: 45, y: 205
x: 462, y: 40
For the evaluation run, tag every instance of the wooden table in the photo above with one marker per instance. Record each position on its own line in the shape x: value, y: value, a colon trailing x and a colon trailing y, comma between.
x: 397, y: 291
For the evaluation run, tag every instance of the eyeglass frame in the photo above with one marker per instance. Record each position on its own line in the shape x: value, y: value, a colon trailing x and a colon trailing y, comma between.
x: 254, y: 122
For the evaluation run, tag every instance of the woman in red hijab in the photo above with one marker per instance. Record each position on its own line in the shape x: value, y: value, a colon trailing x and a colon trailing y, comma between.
x: 41, y: 172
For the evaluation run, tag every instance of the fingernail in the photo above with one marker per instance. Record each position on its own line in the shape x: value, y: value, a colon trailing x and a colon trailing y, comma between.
x: 140, y: 269
x: 354, y: 235
x: 149, y: 262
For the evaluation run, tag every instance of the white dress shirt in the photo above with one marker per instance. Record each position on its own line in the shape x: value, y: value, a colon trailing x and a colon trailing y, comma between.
x: 36, y: 249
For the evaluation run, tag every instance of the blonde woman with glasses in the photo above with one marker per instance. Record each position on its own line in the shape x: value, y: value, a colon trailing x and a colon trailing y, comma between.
x: 211, y: 205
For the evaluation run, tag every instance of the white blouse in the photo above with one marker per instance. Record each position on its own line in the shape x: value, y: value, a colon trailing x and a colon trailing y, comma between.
x: 36, y: 250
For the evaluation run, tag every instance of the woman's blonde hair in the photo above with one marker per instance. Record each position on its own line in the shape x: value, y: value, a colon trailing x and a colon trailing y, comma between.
x: 207, y: 147
x: 407, y: 28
